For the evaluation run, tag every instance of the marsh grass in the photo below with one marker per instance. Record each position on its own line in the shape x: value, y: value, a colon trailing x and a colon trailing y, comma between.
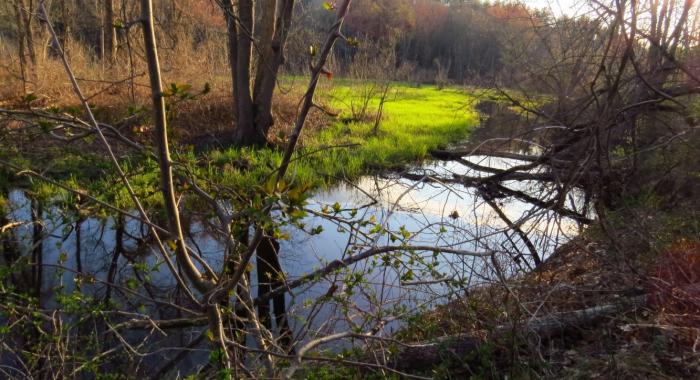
x: 416, y: 120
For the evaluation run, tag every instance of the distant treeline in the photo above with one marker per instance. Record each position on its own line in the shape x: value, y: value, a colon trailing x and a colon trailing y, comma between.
x: 417, y: 40
x: 464, y: 41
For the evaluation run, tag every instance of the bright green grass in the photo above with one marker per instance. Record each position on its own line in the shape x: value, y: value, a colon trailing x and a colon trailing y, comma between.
x: 416, y: 120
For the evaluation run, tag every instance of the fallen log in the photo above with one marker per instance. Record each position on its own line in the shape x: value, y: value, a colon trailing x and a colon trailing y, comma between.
x: 427, y: 355
x: 459, y: 154
x: 444, y: 154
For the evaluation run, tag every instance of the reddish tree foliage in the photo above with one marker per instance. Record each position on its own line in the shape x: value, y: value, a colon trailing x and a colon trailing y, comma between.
x: 430, y: 15
x: 385, y: 19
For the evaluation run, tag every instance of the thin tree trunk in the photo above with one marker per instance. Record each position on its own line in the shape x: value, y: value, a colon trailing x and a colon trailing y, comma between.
x: 110, y: 32
x: 269, y: 277
x: 316, y: 69
x: 78, y: 248
x: 66, y: 19
x: 118, y: 250
x: 232, y: 35
x: 27, y: 11
x: 8, y: 244
x: 37, y: 247
x: 246, y: 133
x: 127, y: 39
x: 270, y: 61
x: 20, y: 43
x: 165, y: 164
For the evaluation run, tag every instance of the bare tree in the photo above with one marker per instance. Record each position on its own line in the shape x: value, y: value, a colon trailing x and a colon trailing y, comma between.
x: 253, y: 86
x: 109, y: 32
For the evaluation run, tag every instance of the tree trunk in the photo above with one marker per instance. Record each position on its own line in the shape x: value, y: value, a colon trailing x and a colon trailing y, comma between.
x: 165, y: 164
x: 110, y: 32
x: 78, y: 248
x: 232, y: 35
x: 269, y: 278
x: 272, y: 57
x: 118, y: 250
x: 37, y: 247
x: 246, y: 132
x: 20, y: 44
x: 9, y: 250
x: 27, y: 11
x: 253, y: 107
x: 65, y: 29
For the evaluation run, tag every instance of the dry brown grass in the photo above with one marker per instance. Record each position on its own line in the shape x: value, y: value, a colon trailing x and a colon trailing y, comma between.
x: 180, y: 63
x: 113, y: 90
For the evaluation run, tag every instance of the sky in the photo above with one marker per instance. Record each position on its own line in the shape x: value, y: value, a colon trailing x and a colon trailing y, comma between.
x: 558, y: 7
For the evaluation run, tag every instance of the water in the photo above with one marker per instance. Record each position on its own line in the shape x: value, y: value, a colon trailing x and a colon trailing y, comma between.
x: 370, y: 294
x: 428, y: 214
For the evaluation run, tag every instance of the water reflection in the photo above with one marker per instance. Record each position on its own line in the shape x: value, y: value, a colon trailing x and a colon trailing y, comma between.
x: 87, y: 254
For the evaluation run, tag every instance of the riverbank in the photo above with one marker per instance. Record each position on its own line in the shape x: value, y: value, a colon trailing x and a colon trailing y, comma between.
x: 596, y: 308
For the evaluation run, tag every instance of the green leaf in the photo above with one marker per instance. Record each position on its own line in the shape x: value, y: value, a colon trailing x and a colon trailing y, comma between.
x: 352, y: 41
x: 29, y: 98
x: 328, y: 6
x: 269, y: 186
x: 281, y: 235
x: 72, y: 110
x: 131, y: 283
x: 282, y: 185
x: 45, y: 126
x: 297, y: 214
x: 404, y: 232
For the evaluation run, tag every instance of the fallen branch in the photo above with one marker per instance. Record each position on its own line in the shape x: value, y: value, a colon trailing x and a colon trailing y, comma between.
x: 495, y: 189
x: 456, y: 154
x: 426, y: 355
